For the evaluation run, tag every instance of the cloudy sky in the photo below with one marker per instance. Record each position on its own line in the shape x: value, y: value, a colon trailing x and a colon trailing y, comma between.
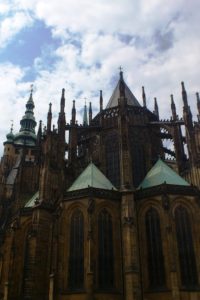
x: 79, y: 46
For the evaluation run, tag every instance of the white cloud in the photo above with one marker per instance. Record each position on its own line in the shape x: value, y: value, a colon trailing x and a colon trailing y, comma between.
x: 92, y: 51
x: 12, y: 25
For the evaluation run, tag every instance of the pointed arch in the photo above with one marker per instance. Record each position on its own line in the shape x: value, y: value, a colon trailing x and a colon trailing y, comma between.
x: 156, y: 269
x: 105, y: 250
x: 187, y: 262
x: 76, y: 253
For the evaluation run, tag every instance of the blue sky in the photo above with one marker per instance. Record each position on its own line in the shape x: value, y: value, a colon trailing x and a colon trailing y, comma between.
x: 79, y: 46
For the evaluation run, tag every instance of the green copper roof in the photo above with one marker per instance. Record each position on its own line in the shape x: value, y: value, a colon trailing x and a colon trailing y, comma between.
x: 91, y: 177
x: 31, y: 202
x: 160, y: 173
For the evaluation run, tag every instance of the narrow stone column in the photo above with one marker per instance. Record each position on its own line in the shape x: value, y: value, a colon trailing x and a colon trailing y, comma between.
x: 6, y: 290
x: 130, y: 249
x: 51, y: 286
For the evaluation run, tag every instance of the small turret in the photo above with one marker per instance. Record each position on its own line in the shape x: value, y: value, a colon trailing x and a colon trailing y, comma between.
x: 156, y: 110
x: 10, y: 136
x: 144, y: 97
x: 85, y: 118
x: 90, y: 113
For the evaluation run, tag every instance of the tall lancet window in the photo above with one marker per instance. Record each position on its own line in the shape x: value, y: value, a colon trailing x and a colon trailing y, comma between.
x: 112, y: 159
x: 28, y: 269
x: 187, y: 261
x: 156, y: 268
x: 105, y: 251
x: 76, y: 255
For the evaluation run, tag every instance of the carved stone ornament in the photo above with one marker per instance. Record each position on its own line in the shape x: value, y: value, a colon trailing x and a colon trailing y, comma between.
x: 128, y: 221
x: 91, y: 206
x: 165, y: 201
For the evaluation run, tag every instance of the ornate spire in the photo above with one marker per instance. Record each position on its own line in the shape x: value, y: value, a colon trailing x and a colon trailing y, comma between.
x: 61, y: 118
x: 90, y: 112
x: 49, y: 118
x: 101, y: 101
x: 62, y: 102
x: 73, y: 113
x: 184, y: 94
x: 85, y: 118
x: 156, y: 111
x: 144, y: 97
x: 173, y: 108
x: 121, y: 84
x: 198, y: 106
x: 26, y: 135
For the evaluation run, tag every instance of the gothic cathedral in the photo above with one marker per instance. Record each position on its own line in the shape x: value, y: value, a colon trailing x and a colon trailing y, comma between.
x: 105, y: 210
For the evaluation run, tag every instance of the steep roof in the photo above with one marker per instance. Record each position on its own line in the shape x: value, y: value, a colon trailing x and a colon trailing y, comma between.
x: 91, y: 177
x: 161, y: 173
x: 131, y: 100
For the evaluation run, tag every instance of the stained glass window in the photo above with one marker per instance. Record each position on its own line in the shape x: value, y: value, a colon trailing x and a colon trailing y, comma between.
x: 105, y: 251
x: 154, y: 250
x: 187, y: 261
x: 76, y: 256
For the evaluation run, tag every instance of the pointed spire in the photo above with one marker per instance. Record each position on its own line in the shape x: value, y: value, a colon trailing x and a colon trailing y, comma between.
x: 144, y: 97
x: 73, y: 113
x: 62, y: 102
x: 198, y: 106
x: 101, y: 101
x: 90, y: 113
x: 39, y: 133
x: 121, y: 84
x: 28, y: 121
x: 156, y: 111
x: 173, y: 108
x: 184, y: 94
x: 49, y: 118
x: 85, y: 118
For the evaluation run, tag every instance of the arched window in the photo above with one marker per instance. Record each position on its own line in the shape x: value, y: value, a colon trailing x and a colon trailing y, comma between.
x: 105, y: 251
x: 76, y: 255
x: 28, y: 269
x: 156, y: 268
x: 112, y: 159
x: 185, y: 248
